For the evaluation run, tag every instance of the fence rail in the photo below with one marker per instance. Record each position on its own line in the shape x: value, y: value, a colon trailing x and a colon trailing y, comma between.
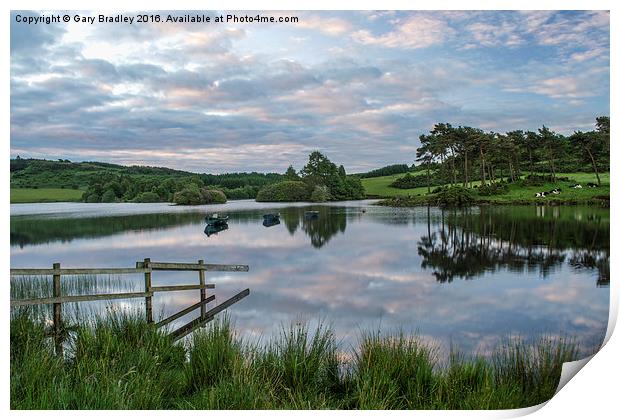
x: 145, y: 267
x: 75, y: 271
x: 190, y: 267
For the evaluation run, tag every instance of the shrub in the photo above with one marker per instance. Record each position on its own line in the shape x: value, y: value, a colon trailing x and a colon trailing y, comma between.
x: 454, y: 197
x: 188, y: 196
x: 108, y: 197
x: 147, y: 197
x: 410, y: 181
x: 211, y: 196
x: 540, y: 180
x: 355, y: 189
x: 320, y: 194
x: 493, y: 189
x: 92, y: 198
x: 240, y: 193
x: 284, y: 191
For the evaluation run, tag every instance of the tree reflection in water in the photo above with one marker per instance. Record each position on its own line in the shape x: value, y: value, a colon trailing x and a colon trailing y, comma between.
x: 321, y: 229
x: 469, y: 242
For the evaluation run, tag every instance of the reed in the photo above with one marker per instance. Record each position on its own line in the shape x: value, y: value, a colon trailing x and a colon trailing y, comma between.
x: 33, y: 286
x: 118, y: 361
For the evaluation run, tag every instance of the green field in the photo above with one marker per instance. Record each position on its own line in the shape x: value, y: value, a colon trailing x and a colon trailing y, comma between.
x: 379, y: 187
x: 44, y: 195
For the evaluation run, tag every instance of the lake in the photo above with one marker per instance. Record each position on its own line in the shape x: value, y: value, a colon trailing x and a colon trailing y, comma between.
x: 467, y: 278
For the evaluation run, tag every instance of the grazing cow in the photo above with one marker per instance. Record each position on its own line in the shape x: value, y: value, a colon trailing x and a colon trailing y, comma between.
x: 576, y: 186
x: 592, y: 185
x: 540, y: 194
x: 556, y: 190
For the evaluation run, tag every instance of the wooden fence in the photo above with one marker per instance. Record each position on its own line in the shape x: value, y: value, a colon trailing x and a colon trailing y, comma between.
x: 145, y: 267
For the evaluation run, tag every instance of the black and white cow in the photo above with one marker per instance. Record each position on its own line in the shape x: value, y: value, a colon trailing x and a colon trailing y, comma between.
x: 540, y: 194
x: 576, y: 186
x: 592, y: 185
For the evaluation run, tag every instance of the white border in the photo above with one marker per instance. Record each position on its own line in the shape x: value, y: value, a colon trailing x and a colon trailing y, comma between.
x: 592, y: 393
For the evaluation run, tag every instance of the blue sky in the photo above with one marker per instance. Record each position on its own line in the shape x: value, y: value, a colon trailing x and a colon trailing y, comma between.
x: 359, y: 86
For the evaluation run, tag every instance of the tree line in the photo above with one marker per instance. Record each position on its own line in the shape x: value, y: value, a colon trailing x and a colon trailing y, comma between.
x: 460, y: 155
x: 194, y: 189
x: 99, y: 178
x: 319, y: 180
x: 399, y: 168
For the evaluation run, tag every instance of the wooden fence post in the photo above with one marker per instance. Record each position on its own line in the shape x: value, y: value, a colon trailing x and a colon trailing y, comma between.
x: 203, y: 292
x: 147, y: 289
x: 57, y: 310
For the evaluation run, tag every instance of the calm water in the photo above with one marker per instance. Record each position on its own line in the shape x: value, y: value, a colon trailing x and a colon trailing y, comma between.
x: 467, y: 278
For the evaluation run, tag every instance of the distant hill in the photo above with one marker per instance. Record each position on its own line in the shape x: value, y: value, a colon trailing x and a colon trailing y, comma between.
x: 42, y: 173
x: 40, y: 180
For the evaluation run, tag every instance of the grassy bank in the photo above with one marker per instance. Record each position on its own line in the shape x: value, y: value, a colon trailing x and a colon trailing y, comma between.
x: 516, y: 193
x: 380, y: 186
x: 120, y: 362
x: 44, y: 195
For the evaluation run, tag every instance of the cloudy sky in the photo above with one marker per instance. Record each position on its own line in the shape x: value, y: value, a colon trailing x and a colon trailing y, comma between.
x: 359, y: 86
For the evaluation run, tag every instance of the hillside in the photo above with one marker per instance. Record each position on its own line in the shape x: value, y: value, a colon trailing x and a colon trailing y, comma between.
x: 40, y: 180
x: 380, y: 186
x: 41, y: 173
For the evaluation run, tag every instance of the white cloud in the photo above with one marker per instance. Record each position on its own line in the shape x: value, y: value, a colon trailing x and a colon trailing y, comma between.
x: 328, y: 25
x: 418, y: 31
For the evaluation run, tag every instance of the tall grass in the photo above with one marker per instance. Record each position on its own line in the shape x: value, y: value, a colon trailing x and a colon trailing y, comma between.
x: 118, y: 361
x: 33, y: 286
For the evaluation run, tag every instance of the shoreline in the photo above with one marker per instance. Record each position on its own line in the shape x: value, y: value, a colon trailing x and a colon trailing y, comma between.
x: 424, y: 201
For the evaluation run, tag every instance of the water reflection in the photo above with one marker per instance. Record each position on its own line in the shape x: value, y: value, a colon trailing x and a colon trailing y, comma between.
x: 215, y: 229
x: 467, y: 243
x: 31, y: 230
x: 320, y: 226
x: 533, y: 270
x: 271, y: 222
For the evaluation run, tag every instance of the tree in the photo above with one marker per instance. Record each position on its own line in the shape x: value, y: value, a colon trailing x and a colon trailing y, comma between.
x: 108, y: 197
x: 320, y: 194
x: 188, y: 196
x: 519, y: 143
x: 591, y: 144
x: 147, y: 197
x: 465, y: 143
x: 482, y: 141
x: 551, y: 143
x: 92, y: 198
x: 321, y: 171
x: 291, y: 174
x: 603, y: 127
x: 212, y: 196
x: 424, y: 154
x: 284, y: 191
